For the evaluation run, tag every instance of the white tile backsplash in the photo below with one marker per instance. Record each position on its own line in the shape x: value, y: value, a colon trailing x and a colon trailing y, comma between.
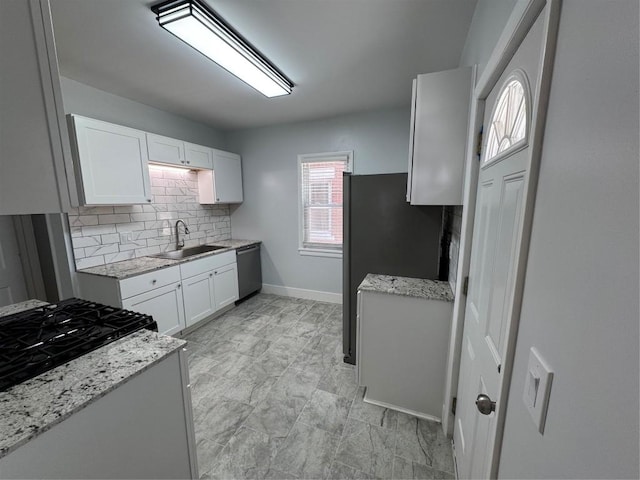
x: 96, y: 231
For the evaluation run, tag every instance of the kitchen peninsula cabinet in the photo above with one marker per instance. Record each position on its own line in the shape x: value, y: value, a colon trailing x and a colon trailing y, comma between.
x: 36, y: 168
x: 111, y: 162
x: 438, y: 137
x: 403, y: 330
x: 121, y: 411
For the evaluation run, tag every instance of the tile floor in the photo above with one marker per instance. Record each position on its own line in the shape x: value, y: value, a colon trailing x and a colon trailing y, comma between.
x: 273, y: 399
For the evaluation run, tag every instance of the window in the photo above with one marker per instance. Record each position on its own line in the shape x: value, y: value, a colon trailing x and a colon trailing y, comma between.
x: 320, y: 177
x: 509, y: 120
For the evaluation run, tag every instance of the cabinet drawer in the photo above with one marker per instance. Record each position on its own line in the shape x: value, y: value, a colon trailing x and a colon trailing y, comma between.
x: 143, y: 283
x: 206, y: 264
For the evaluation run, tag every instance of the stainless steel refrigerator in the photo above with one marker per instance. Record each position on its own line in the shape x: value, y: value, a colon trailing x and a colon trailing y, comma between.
x: 383, y: 234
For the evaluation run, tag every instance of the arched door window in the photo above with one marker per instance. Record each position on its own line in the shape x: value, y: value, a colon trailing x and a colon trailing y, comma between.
x: 508, y: 127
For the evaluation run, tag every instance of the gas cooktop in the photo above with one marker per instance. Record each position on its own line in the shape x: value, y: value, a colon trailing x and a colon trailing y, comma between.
x: 37, y: 340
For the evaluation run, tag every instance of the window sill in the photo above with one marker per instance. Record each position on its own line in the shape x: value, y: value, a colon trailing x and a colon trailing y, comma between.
x: 314, y: 252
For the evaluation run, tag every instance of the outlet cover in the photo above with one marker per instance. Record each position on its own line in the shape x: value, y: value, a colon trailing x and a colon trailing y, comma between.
x: 537, y: 388
x: 126, y: 237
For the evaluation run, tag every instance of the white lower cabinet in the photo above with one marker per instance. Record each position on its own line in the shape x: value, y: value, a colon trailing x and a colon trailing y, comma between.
x: 141, y: 429
x: 226, y: 285
x: 402, y: 351
x: 164, y: 304
x: 199, y: 299
x: 177, y: 297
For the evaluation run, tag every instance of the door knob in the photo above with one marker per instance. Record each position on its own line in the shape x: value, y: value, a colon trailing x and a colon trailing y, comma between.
x: 485, y: 405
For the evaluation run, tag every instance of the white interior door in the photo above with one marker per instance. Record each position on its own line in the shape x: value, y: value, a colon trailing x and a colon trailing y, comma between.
x: 501, y: 198
x: 12, y: 285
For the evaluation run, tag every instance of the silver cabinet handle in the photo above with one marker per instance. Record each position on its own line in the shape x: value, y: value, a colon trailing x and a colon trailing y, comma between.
x: 153, y: 282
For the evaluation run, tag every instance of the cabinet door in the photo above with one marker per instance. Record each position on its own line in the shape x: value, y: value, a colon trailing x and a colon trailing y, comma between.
x: 199, y: 299
x: 36, y: 167
x: 165, y: 149
x: 440, y: 137
x: 198, y: 156
x: 227, y: 177
x: 164, y: 304
x: 112, y: 161
x: 225, y: 281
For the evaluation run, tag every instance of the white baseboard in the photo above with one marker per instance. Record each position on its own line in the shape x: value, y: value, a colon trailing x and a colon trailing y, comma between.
x: 302, y: 293
x: 401, y: 409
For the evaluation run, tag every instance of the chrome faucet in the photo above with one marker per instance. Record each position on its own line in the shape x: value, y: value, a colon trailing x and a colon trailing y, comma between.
x: 180, y: 243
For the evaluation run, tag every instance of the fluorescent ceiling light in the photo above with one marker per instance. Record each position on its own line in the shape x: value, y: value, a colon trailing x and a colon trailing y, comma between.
x: 196, y: 24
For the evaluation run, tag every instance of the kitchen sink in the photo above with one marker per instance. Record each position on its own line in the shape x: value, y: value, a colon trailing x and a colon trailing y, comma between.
x: 187, y: 252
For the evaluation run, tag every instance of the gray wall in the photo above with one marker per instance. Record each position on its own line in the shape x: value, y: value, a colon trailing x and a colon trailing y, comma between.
x: 91, y: 102
x: 580, y: 305
x: 489, y: 19
x: 380, y: 141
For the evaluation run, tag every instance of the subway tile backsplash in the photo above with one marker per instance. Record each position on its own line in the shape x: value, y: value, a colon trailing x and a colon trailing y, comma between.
x: 97, y: 232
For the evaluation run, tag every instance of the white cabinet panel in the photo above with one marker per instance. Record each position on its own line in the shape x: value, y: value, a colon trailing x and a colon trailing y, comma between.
x: 402, y: 351
x: 440, y: 114
x: 112, y: 163
x: 198, y: 155
x: 224, y: 183
x: 199, y: 300
x: 165, y: 149
x: 142, y: 429
x: 177, y: 297
x: 164, y: 304
x: 226, y: 285
x: 143, y: 283
x: 36, y: 168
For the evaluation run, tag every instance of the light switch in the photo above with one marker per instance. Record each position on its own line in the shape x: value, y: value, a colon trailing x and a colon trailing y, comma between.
x: 537, y: 388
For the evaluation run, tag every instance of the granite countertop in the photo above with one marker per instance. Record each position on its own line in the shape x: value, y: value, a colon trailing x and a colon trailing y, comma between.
x: 410, y: 287
x: 36, y: 405
x: 20, y: 307
x: 138, y: 266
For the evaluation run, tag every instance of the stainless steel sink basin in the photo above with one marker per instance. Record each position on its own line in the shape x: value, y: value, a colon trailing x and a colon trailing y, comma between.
x: 187, y: 252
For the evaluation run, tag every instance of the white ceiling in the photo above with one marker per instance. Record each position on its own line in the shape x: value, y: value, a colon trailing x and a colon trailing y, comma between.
x: 343, y: 56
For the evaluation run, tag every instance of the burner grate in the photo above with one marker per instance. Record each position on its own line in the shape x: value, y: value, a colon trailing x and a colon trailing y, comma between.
x: 37, y: 340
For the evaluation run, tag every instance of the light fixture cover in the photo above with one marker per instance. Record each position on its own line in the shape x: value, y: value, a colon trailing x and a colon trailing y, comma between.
x: 196, y: 24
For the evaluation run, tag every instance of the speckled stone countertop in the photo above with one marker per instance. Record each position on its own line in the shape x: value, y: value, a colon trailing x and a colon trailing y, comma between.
x: 138, y: 266
x: 409, y: 287
x: 36, y: 405
x: 20, y: 307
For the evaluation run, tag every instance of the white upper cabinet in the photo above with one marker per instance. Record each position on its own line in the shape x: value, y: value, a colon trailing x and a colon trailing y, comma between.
x: 198, y: 156
x: 165, y: 150
x: 439, y: 119
x: 224, y: 183
x: 36, y: 168
x: 111, y: 161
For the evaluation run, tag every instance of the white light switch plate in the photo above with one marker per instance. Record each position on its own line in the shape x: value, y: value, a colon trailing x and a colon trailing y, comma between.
x: 537, y: 387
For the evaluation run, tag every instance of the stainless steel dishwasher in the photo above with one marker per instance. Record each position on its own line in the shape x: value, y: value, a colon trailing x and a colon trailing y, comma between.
x: 249, y: 270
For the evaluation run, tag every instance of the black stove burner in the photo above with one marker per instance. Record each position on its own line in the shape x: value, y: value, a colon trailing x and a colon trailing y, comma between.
x: 37, y: 340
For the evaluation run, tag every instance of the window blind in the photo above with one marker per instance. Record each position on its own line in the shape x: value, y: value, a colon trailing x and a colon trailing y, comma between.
x: 322, y: 202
